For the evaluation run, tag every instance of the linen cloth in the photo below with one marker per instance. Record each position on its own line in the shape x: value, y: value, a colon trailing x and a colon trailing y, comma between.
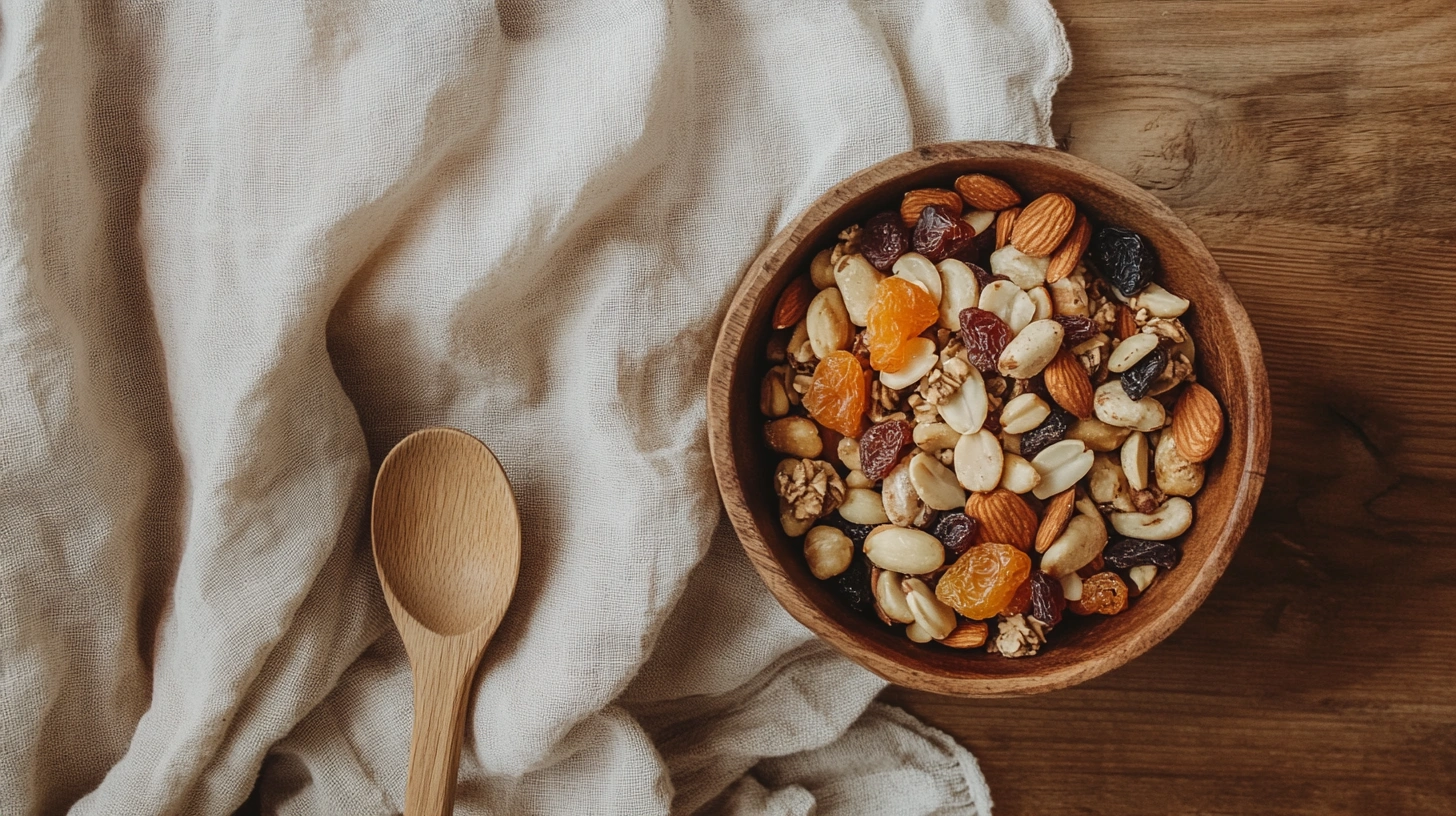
x: 246, y: 247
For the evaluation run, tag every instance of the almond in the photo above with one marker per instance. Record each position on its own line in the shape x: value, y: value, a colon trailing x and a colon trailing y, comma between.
x: 917, y: 200
x: 986, y: 192
x: 1197, y: 423
x: 1065, y: 259
x: 1126, y: 322
x: 1042, y: 226
x: 1004, y: 517
x: 966, y: 635
x: 1005, y: 220
x: 1058, y: 513
x: 1067, y: 383
x: 794, y: 302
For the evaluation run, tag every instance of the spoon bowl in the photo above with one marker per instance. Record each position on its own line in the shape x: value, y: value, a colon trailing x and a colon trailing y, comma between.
x: 447, y: 546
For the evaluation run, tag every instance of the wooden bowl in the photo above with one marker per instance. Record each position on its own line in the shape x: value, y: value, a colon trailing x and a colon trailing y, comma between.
x: 1228, y: 362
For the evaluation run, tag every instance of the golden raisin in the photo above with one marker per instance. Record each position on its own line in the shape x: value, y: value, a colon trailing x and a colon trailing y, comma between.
x: 1103, y: 593
x: 901, y: 311
x: 983, y: 581
x: 838, y: 393
x: 1020, y: 601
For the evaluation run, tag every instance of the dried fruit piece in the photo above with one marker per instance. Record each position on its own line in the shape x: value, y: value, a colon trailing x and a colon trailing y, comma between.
x: 1197, y: 423
x: 881, y: 445
x: 1124, y: 258
x: 941, y: 233
x: 853, y: 585
x: 985, y: 336
x: 983, y: 278
x: 1138, y: 380
x: 794, y: 302
x: 984, y: 192
x: 1043, y: 225
x: 981, y: 582
x: 1077, y: 329
x: 1102, y: 594
x: 1047, y: 601
x: 901, y: 311
x: 838, y: 395
x: 1065, y: 259
x: 957, y: 531
x: 856, y: 532
x: 1048, y: 433
x: 1019, y: 601
x: 1134, y: 552
x: 883, y: 240
x: 916, y: 201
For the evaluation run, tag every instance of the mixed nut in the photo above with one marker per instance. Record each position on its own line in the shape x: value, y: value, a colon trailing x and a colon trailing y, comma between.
x: 965, y: 447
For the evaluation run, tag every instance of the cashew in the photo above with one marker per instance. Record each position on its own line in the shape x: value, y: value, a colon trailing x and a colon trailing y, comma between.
x: 795, y: 436
x: 904, y: 549
x: 935, y: 484
x: 857, y: 280
x: 1170, y: 520
x: 1107, y: 481
x: 1114, y: 407
x: 827, y: 551
x: 1159, y: 302
x: 1075, y: 548
x: 978, y: 460
x: 827, y: 323
x: 1021, y: 414
x: 1030, y: 351
x: 916, y: 268
x: 1176, y: 476
x: 1072, y: 586
x: 959, y: 290
x: 861, y: 506
x: 1043, y: 303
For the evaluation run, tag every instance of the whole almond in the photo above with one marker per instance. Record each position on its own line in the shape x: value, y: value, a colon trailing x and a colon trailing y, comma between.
x: 1197, y: 423
x: 1067, y: 383
x: 986, y: 192
x: 794, y: 302
x: 1005, y: 221
x: 1004, y: 517
x: 1043, y: 225
x: 966, y: 635
x: 1065, y: 259
x: 1126, y: 322
x: 917, y: 200
x: 1058, y: 513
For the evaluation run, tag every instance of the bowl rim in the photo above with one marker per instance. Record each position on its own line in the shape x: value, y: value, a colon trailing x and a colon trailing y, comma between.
x: 723, y: 367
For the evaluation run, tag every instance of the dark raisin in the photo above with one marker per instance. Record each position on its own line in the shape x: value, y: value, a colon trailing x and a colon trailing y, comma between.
x: 1047, y: 601
x: 1049, y: 432
x: 976, y: 252
x: 983, y: 278
x: 1076, y: 329
x: 880, y: 447
x: 1137, y: 380
x: 985, y: 336
x: 883, y: 240
x: 1124, y: 258
x: 856, y: 532
x: 1134, y: 552
x: 853, y: 585
x: 957, y: 531
x: 940, y: 232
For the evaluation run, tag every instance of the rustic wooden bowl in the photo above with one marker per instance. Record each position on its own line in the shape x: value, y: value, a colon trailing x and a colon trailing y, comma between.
x: 1228, y: 362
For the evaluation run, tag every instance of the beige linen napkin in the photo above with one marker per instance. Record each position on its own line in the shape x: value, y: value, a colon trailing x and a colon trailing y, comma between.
x: 245, y: 247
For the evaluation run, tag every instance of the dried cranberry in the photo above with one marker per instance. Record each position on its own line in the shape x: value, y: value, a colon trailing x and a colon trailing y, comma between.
x: 880, y: 447
x: 1126, y: 259
x: 1047, y: 601
x: 1077, y: 329
x: 1133, y: 552
x: 1049, y: 432
x: 1136, y: 381
x: 939, y: 233
x: 957, y: 531
x: 883, y: 240
x: 853, y: 585
x: 985, y: 336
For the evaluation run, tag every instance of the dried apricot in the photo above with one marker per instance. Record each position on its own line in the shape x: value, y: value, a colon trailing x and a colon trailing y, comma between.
x: 984, y: 580
x: 901, y: 311
x: 838, y: 395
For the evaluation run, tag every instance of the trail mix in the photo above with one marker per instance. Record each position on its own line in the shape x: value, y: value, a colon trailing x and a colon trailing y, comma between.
x: 967, y: 448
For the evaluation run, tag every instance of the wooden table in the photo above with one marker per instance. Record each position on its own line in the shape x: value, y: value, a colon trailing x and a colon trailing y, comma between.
x: 1313, y: 146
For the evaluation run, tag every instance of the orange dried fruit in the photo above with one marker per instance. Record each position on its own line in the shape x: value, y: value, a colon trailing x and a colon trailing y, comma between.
x: 1020, y: 601
x: 984, y: 581
x: 900, y: 312
x: 838, y: 395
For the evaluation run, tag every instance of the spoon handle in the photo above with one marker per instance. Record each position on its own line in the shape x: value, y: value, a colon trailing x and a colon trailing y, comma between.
x: 443, y: 669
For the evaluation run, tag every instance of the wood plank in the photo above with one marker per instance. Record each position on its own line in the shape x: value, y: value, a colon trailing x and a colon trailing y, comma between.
x: 1313, y: 146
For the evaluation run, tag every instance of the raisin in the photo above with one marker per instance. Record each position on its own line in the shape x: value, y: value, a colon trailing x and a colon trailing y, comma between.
x: 940, y: 233
x: 857, y: 532
x: 1076, y: 329
x: 853, y: 585
x: 976, y: 252
x: 1136, y: 381
x: 984, y: 580
x: 1104, y: 593
x: 985, y: 336
x: 880, y: 447
x: 1047, y: 601
x: 1049, y: 432
x: 1134, y: 552
x: 983, y: 278
x: 1126, y: 259
x: 883, y: 240
x: 957, y: 531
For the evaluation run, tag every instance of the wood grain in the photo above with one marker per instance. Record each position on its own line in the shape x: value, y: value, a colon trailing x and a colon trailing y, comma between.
x: 447, y: 544
x: 1311, y: 145
x: 1229, y: 362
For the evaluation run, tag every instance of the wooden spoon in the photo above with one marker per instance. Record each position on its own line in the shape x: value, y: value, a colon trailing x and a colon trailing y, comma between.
x: 447, y: 544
